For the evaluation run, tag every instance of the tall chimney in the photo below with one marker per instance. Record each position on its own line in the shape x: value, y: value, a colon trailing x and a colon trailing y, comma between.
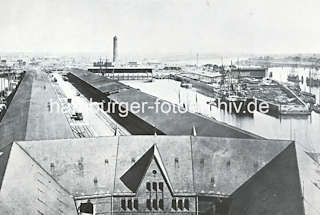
x: 115, y: 47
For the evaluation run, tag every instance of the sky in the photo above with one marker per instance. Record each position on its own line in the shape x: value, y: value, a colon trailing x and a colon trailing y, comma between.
x: 160, y: 27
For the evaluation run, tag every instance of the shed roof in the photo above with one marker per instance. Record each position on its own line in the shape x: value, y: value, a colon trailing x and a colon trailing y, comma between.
x: 190, y: 163
x: 101, y: 83
x: 178, y: 122
x: 28, y: 118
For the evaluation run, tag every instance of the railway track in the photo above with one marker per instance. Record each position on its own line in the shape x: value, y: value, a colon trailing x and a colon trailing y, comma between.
x: 79, y: 129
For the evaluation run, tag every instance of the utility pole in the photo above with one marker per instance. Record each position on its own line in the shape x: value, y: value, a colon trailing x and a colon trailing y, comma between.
x: 100, y: 65
x: 197, y: 60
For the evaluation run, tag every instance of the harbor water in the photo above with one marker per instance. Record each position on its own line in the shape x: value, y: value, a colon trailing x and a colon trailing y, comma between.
x: 305, y: 130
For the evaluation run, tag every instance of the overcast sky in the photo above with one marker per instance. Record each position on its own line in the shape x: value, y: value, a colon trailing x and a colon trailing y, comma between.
x: 161, y: 26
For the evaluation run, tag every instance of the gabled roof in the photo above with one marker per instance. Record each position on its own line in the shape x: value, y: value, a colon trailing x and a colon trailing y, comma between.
x: 133, y: 177
x: 176, y: 123
x: 275, y: 189
x: 221, y: 165
x: 28, y: 189
x: 105, y: 85
x: 4, y: 157
x: 84, y: 166
x: 259, y: 176
x: 287, y: 185
x: 309, y: 171
x: 189, y: 164
x: 28, y: 118
x: 171, y: 148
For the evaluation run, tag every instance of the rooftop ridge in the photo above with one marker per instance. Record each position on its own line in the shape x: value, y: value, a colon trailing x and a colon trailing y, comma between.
x: 40, y: 166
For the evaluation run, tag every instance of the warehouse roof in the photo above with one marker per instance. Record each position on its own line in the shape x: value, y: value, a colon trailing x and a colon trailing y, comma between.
x: 101, y: 83
x: 176, y: 123
x: 258, y: 176
x: 28, y: 117
x: 28, y: 189
x: 77, y: 162
x: 289, y: 184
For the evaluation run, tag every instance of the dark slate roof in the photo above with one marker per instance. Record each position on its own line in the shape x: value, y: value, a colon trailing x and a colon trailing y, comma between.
x: 257, y: 176
x: 288, y: 185
x: 133, y: 177
x: 101, y: 83
x: 192, y: 164
x: 4, y: 156
x: 28, y: 118
x: 309, y: 170
x: 276, y: 188
x: 177, y: 123
x: 77, y: 162
x: 14, y: 123
x: 28, y: 189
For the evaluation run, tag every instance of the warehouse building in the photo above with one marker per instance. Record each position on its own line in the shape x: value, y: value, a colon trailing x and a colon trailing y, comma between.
x: 158, y: 175
x: 44, y: 169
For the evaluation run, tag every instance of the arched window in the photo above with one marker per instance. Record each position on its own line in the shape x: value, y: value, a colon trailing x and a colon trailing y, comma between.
x: 161, y: 205
x: 154, y: 186
x: 123, y: 204
x: 174, y: 204
x: 155, y: 204
x: 180, y: 204
x: 148, y: 185
x: 86, y: 207
x: 186, y: 204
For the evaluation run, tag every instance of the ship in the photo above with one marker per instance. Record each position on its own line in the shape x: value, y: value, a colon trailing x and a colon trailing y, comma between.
x: 186, y: 85
x: 293, y: 76
x: 316, y: 108
x: 313, y: 82
x: 234, y: 103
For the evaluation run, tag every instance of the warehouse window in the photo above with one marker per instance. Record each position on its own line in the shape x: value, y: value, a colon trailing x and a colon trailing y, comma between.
x: 186, y: 204
x: 180, y: 204
x: 174, y: 204
x: 136, y: 204
x: 176, y: 162
x: 161, y: 186
x: 154, y: 186
x: 202, y: 163
x: 86, y: 207
x: 155, y: 204
x: 148, y: 186
x: 130, y: 206
x: 123, y: 204
x: 161, y: 206
x: 148, y: 204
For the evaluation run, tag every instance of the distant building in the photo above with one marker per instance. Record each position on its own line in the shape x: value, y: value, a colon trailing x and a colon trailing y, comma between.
x: 3, y: 62
x: 123, y: 73
x: 99, y: 64
x: 249, y: 73
x: 174, y: 68
x: 133, y: 63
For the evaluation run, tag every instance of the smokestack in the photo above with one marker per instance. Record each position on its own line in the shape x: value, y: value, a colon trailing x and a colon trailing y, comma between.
x: 115, y: 47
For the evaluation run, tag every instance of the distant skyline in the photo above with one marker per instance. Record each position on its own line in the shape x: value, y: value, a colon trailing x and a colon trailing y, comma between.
x: 160, y: 27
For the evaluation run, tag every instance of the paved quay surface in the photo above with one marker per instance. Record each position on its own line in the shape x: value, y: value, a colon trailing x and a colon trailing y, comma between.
x: 95, y: 122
